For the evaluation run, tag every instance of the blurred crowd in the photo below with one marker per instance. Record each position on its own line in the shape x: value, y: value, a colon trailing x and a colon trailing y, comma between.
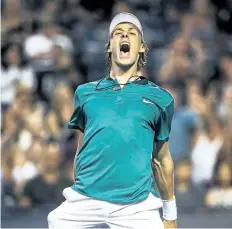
x: 49, y: 47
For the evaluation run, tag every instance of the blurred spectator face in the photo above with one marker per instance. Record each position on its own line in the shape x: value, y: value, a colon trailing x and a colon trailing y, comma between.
x: 51, y: 6
x: 120, y: 7
x: 200, y: 7
x: 52, y: 158
x: 35, y: 124
x: 50, y: 30
x: 13, y: 56
x: 224, y: 174
x: 13, y: 6
x: 36, y: 151
x: 22, y: 104
x: 183, y: 171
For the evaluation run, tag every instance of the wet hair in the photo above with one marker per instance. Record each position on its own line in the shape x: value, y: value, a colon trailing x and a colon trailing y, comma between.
x: 141, y: 62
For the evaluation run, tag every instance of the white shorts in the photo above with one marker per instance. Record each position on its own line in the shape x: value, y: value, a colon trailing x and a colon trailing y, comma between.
x: 82, y: 212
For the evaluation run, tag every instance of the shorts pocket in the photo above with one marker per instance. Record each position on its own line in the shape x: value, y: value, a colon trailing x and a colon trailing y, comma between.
x: 72, y: 196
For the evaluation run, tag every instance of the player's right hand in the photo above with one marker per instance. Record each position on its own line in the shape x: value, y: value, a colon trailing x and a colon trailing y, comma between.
x: 170, y: 224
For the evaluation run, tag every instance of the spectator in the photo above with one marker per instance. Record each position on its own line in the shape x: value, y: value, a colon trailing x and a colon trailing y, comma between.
x: 203, y: 27
x: 226, y: 67
x: 187, y: 195
x: 35, y: 152
x: 178, y: 66
x: 12, y: 14
x: 225, y: 107
x: 62, y: 42
x: 15, y: 72
x: 220, y: 194
x: 14, y: 118
x: 48, y: 50
x: 9, y: 196
x: 120, y: 7
x: 23, y: 169
x: 208, y: 144
x: 185, y: 123
x: 49, y: 11
x: 62, y: 105
x: 61, y: 71
x: 48, y: 186
x: 27, y: 115
x: 38, y: 47
x: 225, y: 152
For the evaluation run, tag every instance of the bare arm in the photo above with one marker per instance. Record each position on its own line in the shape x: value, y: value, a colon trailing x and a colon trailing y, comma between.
x: 79, y: 145
x: 162, y: 167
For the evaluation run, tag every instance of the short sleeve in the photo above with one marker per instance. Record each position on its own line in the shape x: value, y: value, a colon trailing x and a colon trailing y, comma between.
x: 77, y: 120
x: 163, y: 125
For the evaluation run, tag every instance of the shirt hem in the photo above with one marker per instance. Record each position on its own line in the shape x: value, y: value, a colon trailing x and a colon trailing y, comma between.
x: 113, y: 202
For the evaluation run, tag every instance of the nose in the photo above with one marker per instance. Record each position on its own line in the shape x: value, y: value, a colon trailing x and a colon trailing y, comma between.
x: 124, y: 34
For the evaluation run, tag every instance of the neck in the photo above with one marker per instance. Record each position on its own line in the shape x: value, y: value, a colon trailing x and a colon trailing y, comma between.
x: 123, y: 75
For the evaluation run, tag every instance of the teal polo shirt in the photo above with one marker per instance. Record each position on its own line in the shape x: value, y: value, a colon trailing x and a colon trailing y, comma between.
x: 120, y: 126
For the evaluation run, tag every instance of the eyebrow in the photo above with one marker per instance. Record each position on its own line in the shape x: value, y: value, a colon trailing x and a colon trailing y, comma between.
x: 131, y: 28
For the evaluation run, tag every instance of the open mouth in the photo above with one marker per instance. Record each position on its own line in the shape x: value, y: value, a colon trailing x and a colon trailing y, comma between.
x: 124, y: 49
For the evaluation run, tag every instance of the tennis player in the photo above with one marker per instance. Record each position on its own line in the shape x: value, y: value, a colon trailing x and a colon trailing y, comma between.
x: 123, y: 169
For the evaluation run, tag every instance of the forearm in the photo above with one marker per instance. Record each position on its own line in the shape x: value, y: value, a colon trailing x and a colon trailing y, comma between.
x: 162, y: 167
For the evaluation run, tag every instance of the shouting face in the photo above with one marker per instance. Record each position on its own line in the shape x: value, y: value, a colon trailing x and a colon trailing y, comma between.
x: 125, y: 45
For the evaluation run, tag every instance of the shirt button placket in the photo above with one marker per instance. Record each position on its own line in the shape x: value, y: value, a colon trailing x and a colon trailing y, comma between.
x: 119, y: 101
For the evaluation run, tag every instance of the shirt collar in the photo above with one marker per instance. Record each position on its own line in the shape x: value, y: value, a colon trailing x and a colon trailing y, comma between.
x: 142, y: 80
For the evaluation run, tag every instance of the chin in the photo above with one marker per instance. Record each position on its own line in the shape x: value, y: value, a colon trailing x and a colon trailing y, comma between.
x: 125, y: 63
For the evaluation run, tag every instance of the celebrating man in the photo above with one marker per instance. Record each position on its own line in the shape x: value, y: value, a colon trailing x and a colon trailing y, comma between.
x: 123, y: 169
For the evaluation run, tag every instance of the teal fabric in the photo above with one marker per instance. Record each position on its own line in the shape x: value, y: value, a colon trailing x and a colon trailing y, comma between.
x: 120, y: 127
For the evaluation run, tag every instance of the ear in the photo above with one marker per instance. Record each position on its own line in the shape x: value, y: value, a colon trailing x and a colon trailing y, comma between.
x: 109, y: 50
x: 143, y: 48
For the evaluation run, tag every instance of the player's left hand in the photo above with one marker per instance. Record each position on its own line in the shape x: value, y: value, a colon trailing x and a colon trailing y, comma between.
x: 170, y: 224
